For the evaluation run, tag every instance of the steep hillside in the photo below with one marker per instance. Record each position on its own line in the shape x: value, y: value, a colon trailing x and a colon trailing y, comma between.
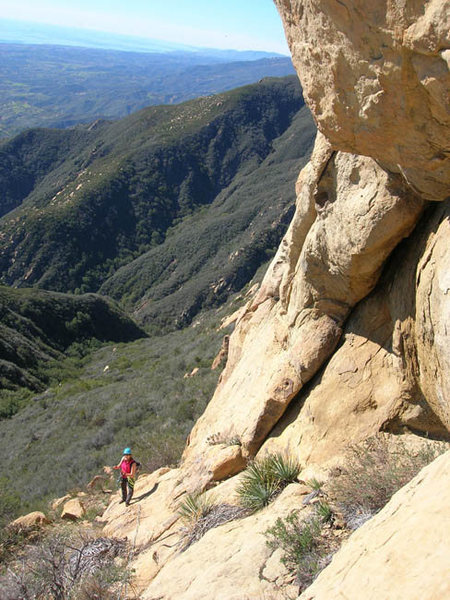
x: 60, y: 86
x: 89, y: 201
x: 37, y: 327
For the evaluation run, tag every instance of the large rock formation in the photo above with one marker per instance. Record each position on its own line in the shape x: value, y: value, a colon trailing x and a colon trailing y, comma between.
x: 401, y: 553
x: 349, y: 332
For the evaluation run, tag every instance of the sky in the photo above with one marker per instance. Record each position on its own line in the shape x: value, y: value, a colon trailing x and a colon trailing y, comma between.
x: 230, y: 24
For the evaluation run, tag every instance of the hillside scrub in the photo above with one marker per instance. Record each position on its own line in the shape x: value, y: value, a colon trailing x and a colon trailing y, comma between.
x: 67, y: 565
x: 168, y: 211
x: 374, y: 470
x: 45, y: 335
x: 134, y: 394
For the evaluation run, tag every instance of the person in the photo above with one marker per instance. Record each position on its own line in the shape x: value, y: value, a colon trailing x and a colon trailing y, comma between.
x: 127, y: 468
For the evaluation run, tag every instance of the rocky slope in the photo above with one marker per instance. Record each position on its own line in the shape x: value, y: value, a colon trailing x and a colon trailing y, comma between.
x: 349, y: 333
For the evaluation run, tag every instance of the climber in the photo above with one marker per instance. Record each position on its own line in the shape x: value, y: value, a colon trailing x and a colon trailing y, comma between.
x: 128, y: 467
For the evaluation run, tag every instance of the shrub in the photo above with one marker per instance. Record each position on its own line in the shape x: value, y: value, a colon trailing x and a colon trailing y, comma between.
x: 201, y: 514
x: 194, y: 507
x: 305, y: 551
x: 375, y: 470
x: 264, y: 479
x: 65, y: 566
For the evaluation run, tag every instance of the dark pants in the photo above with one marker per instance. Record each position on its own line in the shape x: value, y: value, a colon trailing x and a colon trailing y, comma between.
x: 127, y: 489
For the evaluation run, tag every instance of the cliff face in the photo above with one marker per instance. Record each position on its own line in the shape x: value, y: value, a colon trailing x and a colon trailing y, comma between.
x: 349, y: 333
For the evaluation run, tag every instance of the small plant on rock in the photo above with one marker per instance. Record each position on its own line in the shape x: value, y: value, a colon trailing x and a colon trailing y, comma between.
x: 264, y: 479
x: 200, y: 514
x: 305, y: 550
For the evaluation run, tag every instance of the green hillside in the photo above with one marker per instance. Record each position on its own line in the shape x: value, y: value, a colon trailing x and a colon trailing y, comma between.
x: 90, y: 201
x: 60, y: 86
x: 38, y: 327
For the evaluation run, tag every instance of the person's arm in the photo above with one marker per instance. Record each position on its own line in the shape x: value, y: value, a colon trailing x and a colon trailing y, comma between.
x: 133, y: 471
x: 118, y: 466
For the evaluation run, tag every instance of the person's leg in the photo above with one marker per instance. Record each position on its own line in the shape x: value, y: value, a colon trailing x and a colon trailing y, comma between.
x: 123, y: 485
x: 130, y: 490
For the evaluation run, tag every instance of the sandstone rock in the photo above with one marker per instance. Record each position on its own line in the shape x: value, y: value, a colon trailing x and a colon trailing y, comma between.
x: 376, y: 79
x: 30, y: 520
x: 433, y: 317
x: 233, y: 318
x: 281, y: 343
x: 222, y: 354
x: 229, y: 462
x: 60, y: 501
x: 399, y: 554
x: 375, y: 380
x: 194, y: 372
x: 96, y: 481
x: 227, y: 563
x: 73, y: 510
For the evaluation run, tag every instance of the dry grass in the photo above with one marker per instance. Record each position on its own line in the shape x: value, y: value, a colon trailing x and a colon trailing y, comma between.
x: 218, y: 514
x: 375, y: 469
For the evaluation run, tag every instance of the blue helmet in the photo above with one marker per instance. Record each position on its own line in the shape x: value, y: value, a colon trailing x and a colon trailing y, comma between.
x: 127, y: 451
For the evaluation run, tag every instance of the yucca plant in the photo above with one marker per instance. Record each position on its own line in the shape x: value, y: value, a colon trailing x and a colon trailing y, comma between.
x: 284, y: 468
x: 264, y: 479
x: 194, y: 507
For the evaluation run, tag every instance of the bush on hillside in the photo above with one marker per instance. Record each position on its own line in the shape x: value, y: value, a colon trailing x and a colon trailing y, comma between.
x: 66, y: 566
x: 306, y: 550
x: 375, y: 469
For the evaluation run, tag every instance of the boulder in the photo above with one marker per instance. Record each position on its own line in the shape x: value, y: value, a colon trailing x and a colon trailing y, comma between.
x: 73, y: 510
x: 376, y: 79
x: 60, y: 501
x: 30, y: 520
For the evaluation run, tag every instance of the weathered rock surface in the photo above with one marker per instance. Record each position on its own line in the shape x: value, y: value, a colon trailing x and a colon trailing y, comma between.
x: 330, y: 259
x: 375, y: 380
x: 402, y: 552
x: 58, y: 501
x: 376, y: 78
x: 230, y: 562
x: 30, y: 520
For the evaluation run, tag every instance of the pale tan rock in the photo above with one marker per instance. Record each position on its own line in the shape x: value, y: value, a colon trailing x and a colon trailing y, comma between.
x: 401, y: 553
x: 222, y: 355
x: 433, y: 318
x: 234, y: 317
x: 30, y: 520
x: 376, y: 80
x: 96, y: 481
x: 226, y: 564
x: 229, y: 461
x: 193, y: 373
x: 374, y: 380
x: 59, y: 501
x: 282, y: 342
x: 73, y: 510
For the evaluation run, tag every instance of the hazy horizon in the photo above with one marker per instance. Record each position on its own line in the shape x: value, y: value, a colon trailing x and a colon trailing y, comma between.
x: 14, y: 31
x: 235, y: 25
